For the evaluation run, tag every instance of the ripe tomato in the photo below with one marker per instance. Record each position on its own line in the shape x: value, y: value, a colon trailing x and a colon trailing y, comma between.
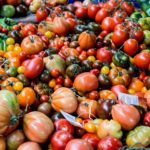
x: 110, y: 5
x: 108, y: 24
x: 119, y: 88
x: 104, y: 55
x: 92, y: 10
x: 33, y: 67
x: 142, y: 60
x: 109, y: 143
x: 63, y: 124
x: 137, y: 34
x: 94, y: 95
x: 131, y: 46
x: 118, y: 20
x: 78, y: 144
x: 81, y: 12
x: 55, y: 73
x: 119, y: 37
x: 101, y: 14
x: 28, y: 29
x: 128, y: 7
x: 60, y: 139
x: 147, y: 119
x: 41, y: 14
x: 93, y: 139
x: 71, y: 22
x: 27, y: 97
x: 119, y: 27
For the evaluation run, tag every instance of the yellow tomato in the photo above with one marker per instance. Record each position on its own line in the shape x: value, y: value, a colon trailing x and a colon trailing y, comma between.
x: 91, y: 58
x: 105, y: 70
x: 20, y: 70
x: 18, y: 86
x: 17, y: 49
x: 10, y: 41
x: 49, y: 34
x: 131, y: 91
x: 10, y: 48
x: 90, y: 127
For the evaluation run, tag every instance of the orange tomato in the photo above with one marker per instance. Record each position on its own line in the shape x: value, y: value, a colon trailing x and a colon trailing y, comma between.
x: 14, y: 62
x: 2, y: 53
x: 107, y: 94
x: 3, y: 74
x: 90, y: 127
x: 10, y: 54
x: 27, y: 97
x: 136, y: 85
x: 8, y: 83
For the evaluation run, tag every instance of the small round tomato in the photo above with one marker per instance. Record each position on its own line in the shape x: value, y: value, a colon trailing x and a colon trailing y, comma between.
x: 60, y: 139
x: 108, y: 24
x: 81, y: 12
x: 54, y: 73
x: 67, y: 82
x: 91, y: 52
x: 28, y: 29
x: 104, y: 55
x: 109, y: 143
x: 119, y: 37
x: 60, y: 80
x: 92, y: 10
x: 44, y: 98
x: 90, y: 127
x: 94, y: 95
x: 27, y: 97
x: 142, y: 60
x: 137, y: 34
x: 71, y: 22
x: 119, y: 88
x: 41, y: 14
x: 130, y: 46
x: 18, y: 86
x: 128, y: 7
x: 63, y: 124
x: 147, y: 119
x: 93, y: 139
x: 119, y: 27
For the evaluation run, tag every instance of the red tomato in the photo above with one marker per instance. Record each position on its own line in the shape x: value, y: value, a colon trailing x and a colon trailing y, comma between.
x: 131, y: 46
x: 108, y: 24
x: 29, y: 29
x: 142, y: 60
x: 119, y: 27
x: 104, y: 55
x: 78, y: 144
x: 128, y: 7
x: 109, y: 143
x: 41, y: 14
x: 119, y: 88
x: 147, y: 119
x: 118, y: 19
x: 137, y: 34
x: 55, y: 73
x: 119, y: 37
x: 110, y: 5
x: 93, y: 139
x: 33, y: 67
x: 71, y: 22
x: 60, y: 139
x: 91, y: 52
x: 101, y: 14
x: 81, y: 12
x: 92, y: 10
x: 63, y: 124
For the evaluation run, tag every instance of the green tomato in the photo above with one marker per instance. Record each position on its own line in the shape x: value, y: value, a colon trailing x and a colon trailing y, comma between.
x: 12, y: 71
x: 7, y: 11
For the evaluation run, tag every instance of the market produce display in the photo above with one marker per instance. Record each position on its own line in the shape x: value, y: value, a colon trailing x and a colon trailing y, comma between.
x: 74, y: 76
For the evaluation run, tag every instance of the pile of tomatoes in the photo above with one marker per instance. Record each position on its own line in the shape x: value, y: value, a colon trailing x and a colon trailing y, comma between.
x: 76, y: 59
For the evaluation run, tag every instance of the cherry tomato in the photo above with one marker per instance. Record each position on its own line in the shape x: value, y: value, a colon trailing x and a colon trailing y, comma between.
x: 93, y: 139
x: 27, y: 97
x: 67, y: 82
x: 41, y: 14
x: 44, y: 98
x: 101, y: 14
x: 60, y: 139
x: 119, y: 37
x: 71, y: 22
x: 81, y: 12
x: 131, y: 46
x: 142, y: 60
x: 119, y: 27
x: 91, y: 52
x: 137, y: 34
x: 104, y: 55
x: 63, y: 124
x: 95, y: 71
x: 147, y: 119
x: 109, y: 143
x: 108, y: 24
x: 54, y: 73
x: 28, y: 29
x: 60, y: 80
x: 128, y: 7
x: 92, y: 10
x: 94, y: 95
x: 142, y: 47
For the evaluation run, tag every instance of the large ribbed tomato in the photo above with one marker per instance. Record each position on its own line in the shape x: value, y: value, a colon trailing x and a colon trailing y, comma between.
x: 9, y: 111
x: 64, y: 99
x: 127, y: 115
x: 29, y: 146
x: 32, y: 44
x: 37, y: 126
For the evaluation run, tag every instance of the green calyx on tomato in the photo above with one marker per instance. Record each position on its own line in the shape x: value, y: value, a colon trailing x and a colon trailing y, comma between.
x: 120, y: 59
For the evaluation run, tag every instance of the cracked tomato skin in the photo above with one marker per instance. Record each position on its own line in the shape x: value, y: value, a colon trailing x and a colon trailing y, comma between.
x: 109, y: 143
